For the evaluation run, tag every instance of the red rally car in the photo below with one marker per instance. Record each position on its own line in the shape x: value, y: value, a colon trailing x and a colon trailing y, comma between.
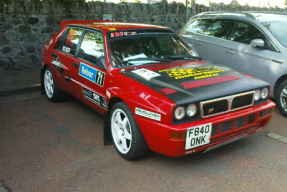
x: 154, y: 91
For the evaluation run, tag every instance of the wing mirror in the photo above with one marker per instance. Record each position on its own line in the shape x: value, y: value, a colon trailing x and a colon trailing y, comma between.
x: 257, y: 43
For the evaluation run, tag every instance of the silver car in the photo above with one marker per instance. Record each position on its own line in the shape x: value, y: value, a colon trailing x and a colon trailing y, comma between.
x: 254, y: 43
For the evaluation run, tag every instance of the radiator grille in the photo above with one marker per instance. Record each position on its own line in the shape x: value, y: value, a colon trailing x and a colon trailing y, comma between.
x: 251, y: 119
x: 226, y: 126
x: 215, y: 107
x: 241, y: 101
x: 239, y: 122
x: 226, y: 104
x: 232, y: 124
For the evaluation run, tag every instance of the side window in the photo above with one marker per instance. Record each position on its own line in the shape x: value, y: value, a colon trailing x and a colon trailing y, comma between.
x: 197, y: 26
x: 218, y: 28
x: 92, y: 47
x: 68, y: 43
x: 245, y: 33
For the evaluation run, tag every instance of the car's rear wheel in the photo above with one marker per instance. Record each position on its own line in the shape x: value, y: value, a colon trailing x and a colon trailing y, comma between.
x: 281, y: 97
x: 52, y: 91
x: 127, y: 136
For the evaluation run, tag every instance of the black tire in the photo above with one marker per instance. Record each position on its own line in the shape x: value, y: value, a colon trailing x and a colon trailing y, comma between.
x: 281, y: 97
x: 52, y: 91
x: 122, y: 129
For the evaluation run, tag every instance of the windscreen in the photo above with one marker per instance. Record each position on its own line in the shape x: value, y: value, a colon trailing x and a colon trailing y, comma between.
x: 145, y: 47
x: 278, y: 29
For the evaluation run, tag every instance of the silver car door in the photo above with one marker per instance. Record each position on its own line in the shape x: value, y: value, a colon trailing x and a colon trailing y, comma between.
x: 192, y: 34
x: 214, y: 40
x: 245, y: 58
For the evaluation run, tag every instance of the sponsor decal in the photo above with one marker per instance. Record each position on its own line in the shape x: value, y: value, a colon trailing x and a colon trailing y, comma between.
x: 70, y: 38
x: 145, y: 73
x: 92, y: 74
x: 94, y: 97
x: 123, y: 33
x: 148, y: 114
x: 196, y: 73
x: 60, y: 69
x: 57, y: 62
x: 66, y: 49
x: 108, y: 94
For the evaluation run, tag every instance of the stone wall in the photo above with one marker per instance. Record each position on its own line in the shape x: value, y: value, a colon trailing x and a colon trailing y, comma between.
x: 25, y: 25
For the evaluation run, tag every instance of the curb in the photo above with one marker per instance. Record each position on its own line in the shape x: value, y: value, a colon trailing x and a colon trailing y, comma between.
x: 21, y: 90
x: 277, y: 137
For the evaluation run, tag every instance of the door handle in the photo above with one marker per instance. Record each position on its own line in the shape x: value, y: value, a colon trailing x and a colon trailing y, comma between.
x: 280, y: 62
x: 75, y: 64
x: 230, y: 51
x: 198, y: 42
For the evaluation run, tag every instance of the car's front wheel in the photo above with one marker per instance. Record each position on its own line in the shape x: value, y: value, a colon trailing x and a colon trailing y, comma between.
x: 281, y: 97
x: 127, y: 136
x: 52, y: 91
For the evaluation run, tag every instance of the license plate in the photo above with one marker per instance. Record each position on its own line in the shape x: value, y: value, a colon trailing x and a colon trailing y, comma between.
x: 198, y: 136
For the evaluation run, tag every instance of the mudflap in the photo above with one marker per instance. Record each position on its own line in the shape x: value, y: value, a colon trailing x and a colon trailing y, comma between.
x: 42, y: 82
x: 107, y: 131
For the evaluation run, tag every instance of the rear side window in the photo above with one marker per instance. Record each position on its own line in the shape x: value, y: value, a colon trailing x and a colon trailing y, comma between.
x: 68, y: 44
x: 197, y: 26
x: 218, y: 28
x: 92, y: 47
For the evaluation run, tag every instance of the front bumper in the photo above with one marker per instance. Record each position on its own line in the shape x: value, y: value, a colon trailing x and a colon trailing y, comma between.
x: 225, y: 128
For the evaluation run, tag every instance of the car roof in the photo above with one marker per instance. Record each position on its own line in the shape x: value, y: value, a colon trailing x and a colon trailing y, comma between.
x: 260, y: 16
x: 110, y: 25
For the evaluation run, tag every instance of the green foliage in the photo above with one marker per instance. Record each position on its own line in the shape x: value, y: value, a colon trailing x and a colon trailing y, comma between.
x: 7, y: 1
x: 68, y: 1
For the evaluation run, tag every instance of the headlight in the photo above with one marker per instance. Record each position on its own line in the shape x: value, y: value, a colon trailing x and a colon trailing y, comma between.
x: 179, y: 113
x: 257, y: 95
x: 264, y: 93
x: 191, y: 110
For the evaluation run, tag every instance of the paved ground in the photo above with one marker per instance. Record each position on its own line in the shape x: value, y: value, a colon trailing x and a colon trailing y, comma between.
x: 59, y: 147
x: 20, y: 81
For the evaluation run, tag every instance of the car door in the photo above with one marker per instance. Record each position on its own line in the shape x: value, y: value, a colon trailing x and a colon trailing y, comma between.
x: 240, y: 56
x: 91, y: 72
x: 64, y: 60
x: 192, y: 33
x: 213, y: 40
x: 209, y: 37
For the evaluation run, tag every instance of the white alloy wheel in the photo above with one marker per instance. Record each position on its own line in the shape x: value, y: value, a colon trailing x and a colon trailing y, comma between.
x: 49, y: 83
x: 121, y: 131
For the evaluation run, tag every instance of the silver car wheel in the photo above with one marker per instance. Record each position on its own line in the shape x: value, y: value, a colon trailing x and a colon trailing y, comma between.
x: 283, y: 98
x: 121, y: 131
x: 49, y: 83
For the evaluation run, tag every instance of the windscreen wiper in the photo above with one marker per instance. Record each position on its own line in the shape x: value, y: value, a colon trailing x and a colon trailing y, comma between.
x: 146, y: 59
x: 184, y: 57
